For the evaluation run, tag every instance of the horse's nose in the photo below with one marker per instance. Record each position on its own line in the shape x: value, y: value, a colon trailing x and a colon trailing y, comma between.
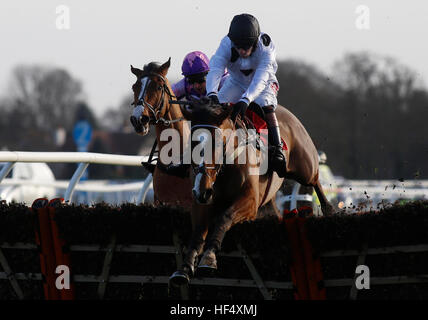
x: 203, y: 196
x: 144, y: 119
x: 136, y: 124
x: 140, y: 122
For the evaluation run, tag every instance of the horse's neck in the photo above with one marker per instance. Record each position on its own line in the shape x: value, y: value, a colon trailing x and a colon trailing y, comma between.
x: 173, y: 113
x: 237, y: 149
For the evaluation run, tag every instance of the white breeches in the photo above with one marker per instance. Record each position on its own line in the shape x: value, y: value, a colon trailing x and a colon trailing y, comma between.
x: 232, y: 91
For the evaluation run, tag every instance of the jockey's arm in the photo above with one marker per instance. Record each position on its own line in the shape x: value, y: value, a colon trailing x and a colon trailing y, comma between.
x: 218, y: 64
x: 223, y: 79
x: 262, y: 74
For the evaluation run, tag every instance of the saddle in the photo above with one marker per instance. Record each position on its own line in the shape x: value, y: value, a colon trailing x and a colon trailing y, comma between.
x: 254, y: 119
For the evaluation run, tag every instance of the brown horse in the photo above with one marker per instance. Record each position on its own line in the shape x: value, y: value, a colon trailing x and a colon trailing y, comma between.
x: 226, y: 194
x: 152, y: 95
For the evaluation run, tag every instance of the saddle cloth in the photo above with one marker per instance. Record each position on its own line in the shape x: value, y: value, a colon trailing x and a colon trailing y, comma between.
x: 260, y: 124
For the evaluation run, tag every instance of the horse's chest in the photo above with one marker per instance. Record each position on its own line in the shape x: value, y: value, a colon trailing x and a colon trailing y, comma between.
x: 229, y: 184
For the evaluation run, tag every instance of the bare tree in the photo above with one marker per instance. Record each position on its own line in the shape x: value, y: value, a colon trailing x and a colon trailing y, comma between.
x: 49, y: 95
x: 117, y: 119
x: 381, y: 113
x: 372, y: 76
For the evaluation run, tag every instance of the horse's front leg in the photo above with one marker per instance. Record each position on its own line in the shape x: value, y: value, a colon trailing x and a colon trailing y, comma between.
x: 243, y: 208
x: 200, y: 222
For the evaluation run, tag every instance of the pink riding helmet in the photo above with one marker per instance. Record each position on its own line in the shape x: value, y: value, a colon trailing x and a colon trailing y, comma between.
x: 195, y: 62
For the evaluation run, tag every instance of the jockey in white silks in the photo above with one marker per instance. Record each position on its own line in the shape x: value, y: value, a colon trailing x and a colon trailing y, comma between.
x: 250, y: 58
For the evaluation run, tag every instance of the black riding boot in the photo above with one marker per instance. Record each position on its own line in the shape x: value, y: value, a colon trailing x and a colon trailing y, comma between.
x: 278, y: 161
x: 277, y: 158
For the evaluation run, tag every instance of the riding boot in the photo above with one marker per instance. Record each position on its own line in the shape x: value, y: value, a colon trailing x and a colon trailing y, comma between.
x: 278, y: 160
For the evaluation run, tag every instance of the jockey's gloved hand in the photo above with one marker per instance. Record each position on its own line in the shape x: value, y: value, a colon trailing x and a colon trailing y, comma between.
x: 239, y: 108
x: 213, y: 97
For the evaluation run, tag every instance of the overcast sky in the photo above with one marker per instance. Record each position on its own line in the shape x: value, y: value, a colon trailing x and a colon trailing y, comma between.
x: 105, y: 37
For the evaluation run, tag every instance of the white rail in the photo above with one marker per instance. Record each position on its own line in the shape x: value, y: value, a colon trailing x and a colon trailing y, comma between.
x: 83, y: 158
x: 88, y: 186
x: 71, y: 157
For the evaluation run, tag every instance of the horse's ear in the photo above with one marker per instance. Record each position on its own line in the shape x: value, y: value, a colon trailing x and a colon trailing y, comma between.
x: 164, y: 68
x: 137, y: 72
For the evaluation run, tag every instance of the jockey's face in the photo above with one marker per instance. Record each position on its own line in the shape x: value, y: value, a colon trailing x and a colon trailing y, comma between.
x: 199, y: 87
x: 245, y: 53
x: 198, y: 82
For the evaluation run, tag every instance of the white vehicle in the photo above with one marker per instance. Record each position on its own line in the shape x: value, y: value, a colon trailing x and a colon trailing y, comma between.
x: 26, y: 182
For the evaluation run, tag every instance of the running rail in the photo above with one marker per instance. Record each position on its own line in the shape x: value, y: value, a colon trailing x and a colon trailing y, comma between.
x: 84, y: 159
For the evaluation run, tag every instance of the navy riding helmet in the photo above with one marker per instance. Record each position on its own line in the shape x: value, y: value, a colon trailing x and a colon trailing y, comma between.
x: 244, y: 30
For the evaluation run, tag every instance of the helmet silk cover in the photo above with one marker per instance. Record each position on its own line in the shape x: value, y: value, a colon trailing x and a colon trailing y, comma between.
x: 195, y: 62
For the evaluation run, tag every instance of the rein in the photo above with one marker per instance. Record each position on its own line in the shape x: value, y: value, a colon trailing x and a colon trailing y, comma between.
x: 155, y: 112
x: 202, y: 168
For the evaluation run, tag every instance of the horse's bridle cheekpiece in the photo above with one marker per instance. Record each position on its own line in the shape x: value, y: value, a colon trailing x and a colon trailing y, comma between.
x: 202, y: 168
x: 145, y: 81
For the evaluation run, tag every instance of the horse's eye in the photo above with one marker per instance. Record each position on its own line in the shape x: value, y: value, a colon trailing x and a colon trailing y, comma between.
x: 160, y: 87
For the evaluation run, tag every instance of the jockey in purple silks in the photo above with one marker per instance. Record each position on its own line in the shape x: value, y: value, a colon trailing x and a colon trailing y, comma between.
x: 195, y: 68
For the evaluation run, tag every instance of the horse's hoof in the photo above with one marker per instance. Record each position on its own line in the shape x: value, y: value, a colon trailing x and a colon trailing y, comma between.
x: 179, y: 278
x: 204, y: 271
x: 208, y: 264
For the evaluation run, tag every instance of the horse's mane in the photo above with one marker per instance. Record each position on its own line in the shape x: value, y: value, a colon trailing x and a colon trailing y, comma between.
x: 204, y: 111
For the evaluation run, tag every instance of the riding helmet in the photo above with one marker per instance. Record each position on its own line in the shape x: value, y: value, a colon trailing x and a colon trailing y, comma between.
x: 244, y: 30
x: 195, y: 62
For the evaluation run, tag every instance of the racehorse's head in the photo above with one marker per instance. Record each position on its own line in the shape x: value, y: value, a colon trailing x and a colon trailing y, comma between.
x: 208, y: 145
x: 151, y: 95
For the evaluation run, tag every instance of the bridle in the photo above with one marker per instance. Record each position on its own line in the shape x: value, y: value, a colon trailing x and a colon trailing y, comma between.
x: 202, y: 167
x: 157, y: 110
x: 218, y: 168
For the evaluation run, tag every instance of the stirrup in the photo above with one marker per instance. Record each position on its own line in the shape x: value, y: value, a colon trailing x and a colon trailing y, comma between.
x: 150, y: 167
x: 180, y: 170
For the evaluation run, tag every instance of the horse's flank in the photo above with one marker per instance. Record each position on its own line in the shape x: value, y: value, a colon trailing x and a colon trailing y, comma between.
x: 301, y: 153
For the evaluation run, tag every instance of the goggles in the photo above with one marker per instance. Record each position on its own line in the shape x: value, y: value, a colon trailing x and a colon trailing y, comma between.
x: 244, y: 46
x: 197, y: 78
